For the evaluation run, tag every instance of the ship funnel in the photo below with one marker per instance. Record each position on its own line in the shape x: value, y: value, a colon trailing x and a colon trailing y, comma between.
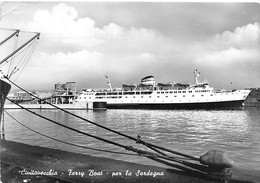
x: 148, y: 80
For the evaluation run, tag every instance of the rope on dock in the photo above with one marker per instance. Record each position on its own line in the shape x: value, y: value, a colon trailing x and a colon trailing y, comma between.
x: 68, y: 143
x: 209, y: 174
x: 221, y: 176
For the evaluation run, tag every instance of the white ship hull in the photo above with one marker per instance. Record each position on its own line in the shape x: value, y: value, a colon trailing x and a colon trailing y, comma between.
x: 172, y: 99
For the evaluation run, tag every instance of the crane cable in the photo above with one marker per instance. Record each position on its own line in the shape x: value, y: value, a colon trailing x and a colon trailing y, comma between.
x: 33, y: 45
x: 15, y: 46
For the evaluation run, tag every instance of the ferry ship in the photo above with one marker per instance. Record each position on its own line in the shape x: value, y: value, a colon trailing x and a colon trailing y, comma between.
x: 151, y: 95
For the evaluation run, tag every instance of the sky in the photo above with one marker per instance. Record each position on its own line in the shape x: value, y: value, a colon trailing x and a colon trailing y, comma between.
x: 126, y: 41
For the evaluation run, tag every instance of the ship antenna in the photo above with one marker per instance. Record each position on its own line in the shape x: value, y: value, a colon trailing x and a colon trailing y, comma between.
x: 109, y: 83
x: 196, y: 75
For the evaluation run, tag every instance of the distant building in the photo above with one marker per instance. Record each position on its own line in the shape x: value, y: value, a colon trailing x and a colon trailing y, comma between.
x: 69, y: 88
x: 62, y: 94
x: 20, y: 96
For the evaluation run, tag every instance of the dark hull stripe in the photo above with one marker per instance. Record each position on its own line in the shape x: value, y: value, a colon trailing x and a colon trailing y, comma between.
x: 206, y: 105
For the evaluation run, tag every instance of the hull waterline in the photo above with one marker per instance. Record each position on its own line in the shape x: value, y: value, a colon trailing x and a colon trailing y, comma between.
x: 206, y: 105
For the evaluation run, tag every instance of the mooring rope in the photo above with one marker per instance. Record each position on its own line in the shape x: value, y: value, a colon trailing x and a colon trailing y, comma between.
x: 221, y: 176
x: 150, y: 155
x: 130, y: 148
x: 70, y: 128
x: 68, y: 143
x: 111, y: 130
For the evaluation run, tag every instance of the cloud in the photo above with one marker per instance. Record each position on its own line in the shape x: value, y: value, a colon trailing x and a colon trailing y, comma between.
x: 231, y: 56
x: 62, y: 67
x: 70, y: 44
x: 84, y: 67
x: 241, y: 45
x: 73, y: 47
x: 63, y: 26
x: 246, y: 36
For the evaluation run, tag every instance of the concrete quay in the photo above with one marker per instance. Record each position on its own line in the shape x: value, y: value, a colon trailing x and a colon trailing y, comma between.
x: 25, y: 163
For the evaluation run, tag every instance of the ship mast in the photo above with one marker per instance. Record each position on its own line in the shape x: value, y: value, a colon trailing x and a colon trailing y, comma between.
x: 109, y: 83
x: 12, y: 35
x: 5, y: 86
x: 21, y: 47
x: 196, y: 75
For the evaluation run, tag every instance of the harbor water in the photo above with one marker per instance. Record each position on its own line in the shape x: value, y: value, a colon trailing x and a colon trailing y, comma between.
x: 237, y: 132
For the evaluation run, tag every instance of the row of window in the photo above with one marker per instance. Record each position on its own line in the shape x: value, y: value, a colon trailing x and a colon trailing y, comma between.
x: 198, y: 91
x: 102, y: 97
x: 166, y: 92
x: 126, y: 93
x: 145, y: 92
x: 148, y: 92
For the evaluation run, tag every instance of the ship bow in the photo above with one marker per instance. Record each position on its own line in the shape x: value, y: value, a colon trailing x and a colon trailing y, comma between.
x: 4, y: 90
